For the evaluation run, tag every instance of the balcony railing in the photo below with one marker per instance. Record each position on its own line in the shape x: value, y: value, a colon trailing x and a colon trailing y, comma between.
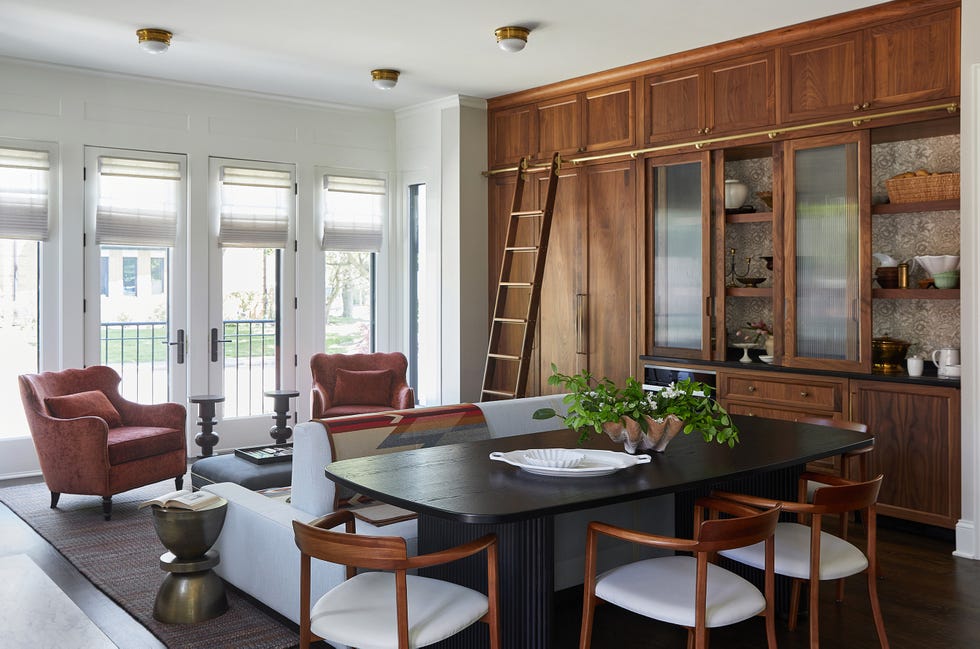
x: 137, y: 350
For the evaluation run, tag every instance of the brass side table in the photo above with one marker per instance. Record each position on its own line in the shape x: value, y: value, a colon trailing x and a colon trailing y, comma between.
x: 190, y: 592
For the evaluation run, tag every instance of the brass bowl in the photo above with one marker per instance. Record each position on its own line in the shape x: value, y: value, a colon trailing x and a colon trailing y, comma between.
x: 765, y: 197
x: 888, y: 354
x: 750, y: 281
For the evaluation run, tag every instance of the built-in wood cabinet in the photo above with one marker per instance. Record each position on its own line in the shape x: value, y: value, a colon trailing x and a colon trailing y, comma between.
x: 594, y: 120
x: 510, y: 135
x: 917, y: 448
x: 721, y: 98
x: 558, y: 127
x: 821, y: 78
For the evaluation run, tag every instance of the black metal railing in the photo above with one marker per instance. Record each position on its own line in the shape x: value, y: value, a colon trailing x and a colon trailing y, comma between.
x: 137, y: 352
x: 250, y: 365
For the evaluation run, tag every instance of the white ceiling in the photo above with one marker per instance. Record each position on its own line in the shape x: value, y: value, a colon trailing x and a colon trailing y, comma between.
x: 323, y: 50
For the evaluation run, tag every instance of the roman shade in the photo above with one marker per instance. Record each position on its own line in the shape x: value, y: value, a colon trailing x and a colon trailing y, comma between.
x: 139, y: 201
x: 255, y: 207
x: 24, y: 194
x: 353, y: 213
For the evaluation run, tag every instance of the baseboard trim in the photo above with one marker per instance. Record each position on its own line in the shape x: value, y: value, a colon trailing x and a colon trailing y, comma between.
x: 966, y: 540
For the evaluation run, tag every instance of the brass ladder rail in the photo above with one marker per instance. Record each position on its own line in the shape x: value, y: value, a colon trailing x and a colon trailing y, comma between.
x: 510, y: 286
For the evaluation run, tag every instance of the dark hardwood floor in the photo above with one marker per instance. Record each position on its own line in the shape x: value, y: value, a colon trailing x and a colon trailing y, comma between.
x: 929, y: 598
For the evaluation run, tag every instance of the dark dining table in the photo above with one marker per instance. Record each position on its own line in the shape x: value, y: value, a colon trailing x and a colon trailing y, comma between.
x: 461, y: 494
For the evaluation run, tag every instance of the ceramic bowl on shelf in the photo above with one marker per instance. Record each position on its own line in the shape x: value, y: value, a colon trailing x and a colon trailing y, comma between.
x: 750, y: 281
x: 767, y: 359
x: 934, y: 264
x: 947, y: 279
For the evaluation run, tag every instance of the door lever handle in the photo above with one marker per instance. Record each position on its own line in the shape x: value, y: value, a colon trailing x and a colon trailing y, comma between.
x: 214, y: 344
x: 179, y: 344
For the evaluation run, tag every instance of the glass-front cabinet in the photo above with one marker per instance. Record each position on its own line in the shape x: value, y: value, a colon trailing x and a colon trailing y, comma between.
x: 827, y: 247
x: 678, y: 235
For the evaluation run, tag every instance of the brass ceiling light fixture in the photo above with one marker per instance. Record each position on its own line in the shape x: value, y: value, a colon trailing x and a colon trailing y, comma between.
x: 511, y: 39
x: 384, y: 79
x: 154, y: 41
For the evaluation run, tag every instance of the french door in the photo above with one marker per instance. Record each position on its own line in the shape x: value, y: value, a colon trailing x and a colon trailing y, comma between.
x: 188, y: 295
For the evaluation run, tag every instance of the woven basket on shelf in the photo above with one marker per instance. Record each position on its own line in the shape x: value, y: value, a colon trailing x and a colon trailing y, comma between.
x: 916, y: 189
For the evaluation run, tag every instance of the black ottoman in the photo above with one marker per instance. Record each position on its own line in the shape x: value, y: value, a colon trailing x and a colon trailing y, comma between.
x: 231, y: 468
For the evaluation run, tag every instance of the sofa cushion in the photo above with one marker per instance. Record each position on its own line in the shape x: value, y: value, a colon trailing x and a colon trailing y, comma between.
x: 399, y: 430
x: 362, y: 387
x: 91, y: 403
x: 128, y: 443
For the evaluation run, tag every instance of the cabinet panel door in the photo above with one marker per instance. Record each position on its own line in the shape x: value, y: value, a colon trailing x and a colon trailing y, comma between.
x: 559, y: 127
x: 674, y: 106
x: 917, y: 448
x: 741, y: 94
x: 609, y: 117
x: 556, y: 339
x: 510, y: 135
x: 827, y: 274
x: 821, y: 78
x: 913, y: 60
x: 678, y: 256
x: 611, y: 329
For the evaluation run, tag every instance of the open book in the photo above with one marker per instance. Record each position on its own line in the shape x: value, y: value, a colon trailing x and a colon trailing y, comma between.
x: 382, y: 514
x: 184, y: 499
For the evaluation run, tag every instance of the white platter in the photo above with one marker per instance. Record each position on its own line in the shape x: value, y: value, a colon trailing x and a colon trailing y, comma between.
x: 594, y: 463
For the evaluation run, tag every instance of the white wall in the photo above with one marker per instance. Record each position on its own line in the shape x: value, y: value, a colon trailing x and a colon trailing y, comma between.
x: 74, y: 109
x: 967, y: 537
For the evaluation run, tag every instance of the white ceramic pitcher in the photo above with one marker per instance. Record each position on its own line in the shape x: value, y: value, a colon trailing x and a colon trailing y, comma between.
x: 945, y: 356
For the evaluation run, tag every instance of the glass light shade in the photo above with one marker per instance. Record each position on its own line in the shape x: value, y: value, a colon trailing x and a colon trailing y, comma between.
x: 511, y: 39
x: 384, y: 79
x: 511, y: 44
x: 154, y: 41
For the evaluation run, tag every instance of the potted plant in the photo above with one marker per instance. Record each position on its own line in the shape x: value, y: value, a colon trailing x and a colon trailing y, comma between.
x: 642, y: 420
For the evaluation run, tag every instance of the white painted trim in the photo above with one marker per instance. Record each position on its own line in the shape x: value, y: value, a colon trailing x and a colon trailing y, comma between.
x: 966, y: 537
x: 453, y: 101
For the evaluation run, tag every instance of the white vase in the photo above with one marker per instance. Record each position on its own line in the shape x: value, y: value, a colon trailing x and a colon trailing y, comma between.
x: 735, y: 194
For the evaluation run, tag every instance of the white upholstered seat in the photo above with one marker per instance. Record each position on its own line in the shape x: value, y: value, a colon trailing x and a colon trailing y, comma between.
x: 838, y: 558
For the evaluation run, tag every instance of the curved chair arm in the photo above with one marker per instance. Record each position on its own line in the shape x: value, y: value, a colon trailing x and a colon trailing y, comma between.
x: 89, y: 435
x: 765, y: 503
x: 404, y: 398
x: 319, y: 401
x: 333, y: 519
x: 162, y: 415
x: 454, y: 553
x: 642, y: 538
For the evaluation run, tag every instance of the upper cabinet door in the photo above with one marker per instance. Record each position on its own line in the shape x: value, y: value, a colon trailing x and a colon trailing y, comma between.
x: 827, y: 275
x: 913, y: 60
x: 510, y: 135
x: 821, y: 78
x: 674, y: 106
x: 678, y: 256
x: 609, y: 117
x: 559, y: 127
x: 741, y: 94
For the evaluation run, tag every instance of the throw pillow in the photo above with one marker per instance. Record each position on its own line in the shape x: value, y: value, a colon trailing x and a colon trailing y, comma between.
x: 93, y: 403
x: 362, y: 387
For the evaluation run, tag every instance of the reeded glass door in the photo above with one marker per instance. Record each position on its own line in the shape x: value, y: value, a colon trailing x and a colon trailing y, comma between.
x: 678, y: 232
x: 828, y: 284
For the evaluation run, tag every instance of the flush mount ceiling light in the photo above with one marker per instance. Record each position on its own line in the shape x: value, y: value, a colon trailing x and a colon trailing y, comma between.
x: 154, y: 41
x: 384, y: 79
x: 511, y: 39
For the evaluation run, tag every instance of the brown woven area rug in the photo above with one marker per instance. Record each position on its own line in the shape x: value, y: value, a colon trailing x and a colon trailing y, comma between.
x: 121, y: 557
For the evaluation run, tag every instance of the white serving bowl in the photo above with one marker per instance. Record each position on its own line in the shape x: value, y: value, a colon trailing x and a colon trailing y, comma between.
x: 556, y: 458
x: 938, y: 263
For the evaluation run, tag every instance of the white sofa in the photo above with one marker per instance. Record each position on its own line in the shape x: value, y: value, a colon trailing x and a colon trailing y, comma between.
x: 259, y: 556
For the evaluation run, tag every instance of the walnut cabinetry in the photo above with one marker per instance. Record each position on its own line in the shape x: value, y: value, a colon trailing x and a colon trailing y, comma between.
x: 917, y: 448
x: 895, y: 64
x: 510, y: 136
x: 724, y: 97
x: 783, y: 396
x: 595, y: 120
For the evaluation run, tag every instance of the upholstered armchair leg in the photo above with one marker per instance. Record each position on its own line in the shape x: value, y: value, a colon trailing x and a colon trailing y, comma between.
x: 55, y: 495
x: 179, y: 482
x: 107, y: 507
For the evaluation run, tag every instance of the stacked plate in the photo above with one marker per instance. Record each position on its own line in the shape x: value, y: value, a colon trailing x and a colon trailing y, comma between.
x: 583, y: 463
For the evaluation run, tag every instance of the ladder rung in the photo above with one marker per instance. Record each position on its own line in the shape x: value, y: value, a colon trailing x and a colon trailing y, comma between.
x: 505, y: 357
x: 517, y: 284
x: 511, y: 320
x: 528, y: 214
x: 522, y: 249
x: 500, y: 393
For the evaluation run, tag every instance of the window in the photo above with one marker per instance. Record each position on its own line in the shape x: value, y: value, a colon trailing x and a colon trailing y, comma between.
x: 24, y: 209
x: 129, y: 275
x: 158, y: 274
x: 104, y: 276
x: 417, y: 259
x: 353, y: 214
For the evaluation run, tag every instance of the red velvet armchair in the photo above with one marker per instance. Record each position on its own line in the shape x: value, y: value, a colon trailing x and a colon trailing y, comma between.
x: 353, y: 384
x: 90, y: 440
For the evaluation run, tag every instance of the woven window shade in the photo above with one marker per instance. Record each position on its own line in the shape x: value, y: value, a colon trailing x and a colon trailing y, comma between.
x: 24, y: 194
x: 255, y: 207
x: 353, y: 213
x: 139, y: 202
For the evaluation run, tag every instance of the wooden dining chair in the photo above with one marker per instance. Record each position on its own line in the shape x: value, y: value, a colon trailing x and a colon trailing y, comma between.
x: 806, y: 553
x: 689, y: 591
x: 390, y: 610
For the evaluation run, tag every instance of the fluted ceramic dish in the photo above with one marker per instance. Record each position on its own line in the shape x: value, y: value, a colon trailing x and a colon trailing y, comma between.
x: 554, y: 458
x: 594, y: 463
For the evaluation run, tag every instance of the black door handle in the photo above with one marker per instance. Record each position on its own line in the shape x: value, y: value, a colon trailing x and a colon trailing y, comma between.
x: 214, y: 344
x: 179, y: 344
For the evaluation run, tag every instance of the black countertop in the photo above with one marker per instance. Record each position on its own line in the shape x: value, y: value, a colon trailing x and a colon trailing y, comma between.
x: 928, y: 377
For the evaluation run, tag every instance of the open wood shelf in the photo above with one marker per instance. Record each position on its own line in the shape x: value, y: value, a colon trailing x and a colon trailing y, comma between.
x: 751, y: 217
x: 748, y: 291
x: 909, y: 208
x: 916, y: 293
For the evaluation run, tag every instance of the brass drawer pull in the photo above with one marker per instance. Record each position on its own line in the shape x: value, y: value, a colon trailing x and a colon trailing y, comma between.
x: 751, y: 388
x: 804, y: 394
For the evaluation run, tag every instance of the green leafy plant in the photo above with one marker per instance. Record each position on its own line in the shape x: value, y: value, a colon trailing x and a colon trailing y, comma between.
x: 593, y: 402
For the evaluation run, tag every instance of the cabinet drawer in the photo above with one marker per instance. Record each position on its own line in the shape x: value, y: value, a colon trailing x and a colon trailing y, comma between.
x: 750, y: 409
x: 800, y: 393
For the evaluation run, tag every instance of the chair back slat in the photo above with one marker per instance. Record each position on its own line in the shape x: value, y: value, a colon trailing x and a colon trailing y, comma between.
x: 845, y: 498
x: 369, y: 552
x: 725, y: 533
